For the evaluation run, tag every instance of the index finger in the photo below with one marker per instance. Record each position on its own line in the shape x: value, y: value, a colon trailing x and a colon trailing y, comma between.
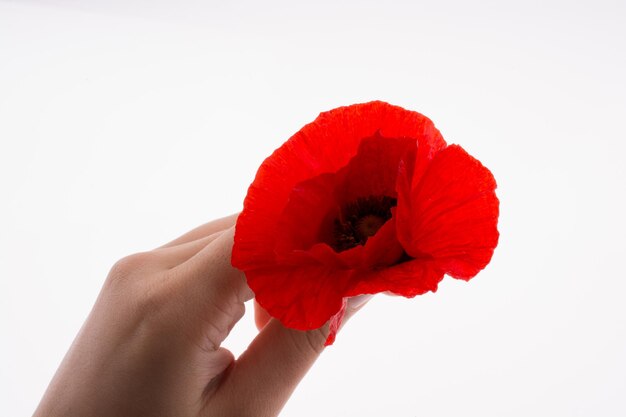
x: 205, y: 230
x: 209, y: 291
x: 209, y: 275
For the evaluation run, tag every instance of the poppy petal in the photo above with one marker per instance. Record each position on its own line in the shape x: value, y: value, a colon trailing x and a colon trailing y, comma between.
x: 308, y: 215
x: 301, y: 297
x: 319, y: 222
x: 382, y: 249
x: 372, y: 172
x: 323, y: 146
x: 374, y: 169
x: 409, y: 279
x: 450, y: 214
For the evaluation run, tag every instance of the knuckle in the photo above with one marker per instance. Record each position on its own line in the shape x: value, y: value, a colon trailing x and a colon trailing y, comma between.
x: 143, y: 297
x: 316, y: 339
x: 310, y: 341
x: 240, y: 311
x: 128, y: 265
x: 221, y: 321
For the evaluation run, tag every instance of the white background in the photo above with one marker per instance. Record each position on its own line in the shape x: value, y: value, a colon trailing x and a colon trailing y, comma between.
x: 125, y: 123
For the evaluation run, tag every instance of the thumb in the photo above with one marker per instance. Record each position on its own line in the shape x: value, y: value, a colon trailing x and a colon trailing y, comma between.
x: 265, y: 375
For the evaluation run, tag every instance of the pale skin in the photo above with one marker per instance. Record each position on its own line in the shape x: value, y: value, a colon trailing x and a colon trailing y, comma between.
x: 151, y: 345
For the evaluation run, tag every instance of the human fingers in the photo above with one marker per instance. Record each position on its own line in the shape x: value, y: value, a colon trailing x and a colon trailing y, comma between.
x: 171, y: 256
x: 261, y: 380
x: 211, y: 289
x: 355, y: 304
x: 206, y: 297
x: 205, y: 230
x: 266, y: 374
x: 261, y: 316
x: 212, y: 272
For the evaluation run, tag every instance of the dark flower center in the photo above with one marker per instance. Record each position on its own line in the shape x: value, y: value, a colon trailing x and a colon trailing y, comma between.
x: 360, y: 220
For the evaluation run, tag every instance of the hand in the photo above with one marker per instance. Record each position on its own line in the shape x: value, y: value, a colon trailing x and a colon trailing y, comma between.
x: 151, y: 344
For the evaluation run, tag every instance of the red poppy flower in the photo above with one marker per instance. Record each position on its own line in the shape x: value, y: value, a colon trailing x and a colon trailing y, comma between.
x: 367, y: 198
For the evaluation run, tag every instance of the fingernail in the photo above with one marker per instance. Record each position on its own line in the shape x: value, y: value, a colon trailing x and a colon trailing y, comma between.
x: 358, y: 301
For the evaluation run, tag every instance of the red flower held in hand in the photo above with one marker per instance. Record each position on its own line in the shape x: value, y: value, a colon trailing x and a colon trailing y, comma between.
x: 367, y: 198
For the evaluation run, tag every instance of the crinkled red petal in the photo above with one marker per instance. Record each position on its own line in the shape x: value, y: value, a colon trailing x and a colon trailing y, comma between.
x: 410, y: 278
x: 301, y: 297
x: 308, y: 216
x: 380, y: 270
x: 382, y: 249
x: 315, y: 204
x: 449, y: 213
x: 445, y: 221
x: 374, y: 169
x: 323, y: 146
